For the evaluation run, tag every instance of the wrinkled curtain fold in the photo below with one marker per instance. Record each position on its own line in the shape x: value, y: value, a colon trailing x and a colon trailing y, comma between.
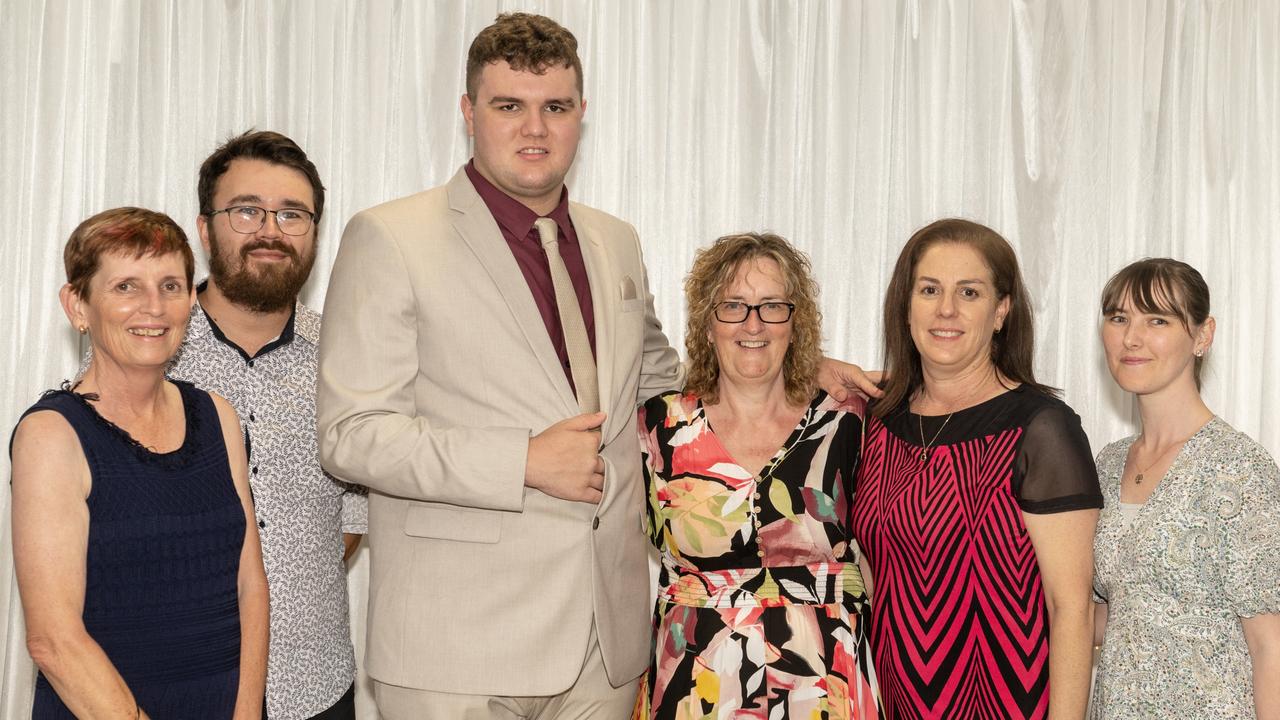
x: 1089, y: 133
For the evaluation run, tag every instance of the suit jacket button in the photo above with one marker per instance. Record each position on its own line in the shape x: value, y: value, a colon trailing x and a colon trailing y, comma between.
x: 595, y: 523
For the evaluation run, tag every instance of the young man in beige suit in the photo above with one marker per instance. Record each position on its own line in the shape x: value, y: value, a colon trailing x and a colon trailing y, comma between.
x: 471, y: 333
x: 508, y: 571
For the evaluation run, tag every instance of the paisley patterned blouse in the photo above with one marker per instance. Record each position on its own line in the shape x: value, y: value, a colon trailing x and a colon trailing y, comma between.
x: 1201, y: 553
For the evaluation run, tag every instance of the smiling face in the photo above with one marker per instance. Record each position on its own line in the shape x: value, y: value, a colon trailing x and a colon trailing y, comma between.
x: 265, y: 270
x: 954, y: 310
x: 137, y: 308
x: 1150, y: 352
x: 526, y: 128
x: 752, y: 352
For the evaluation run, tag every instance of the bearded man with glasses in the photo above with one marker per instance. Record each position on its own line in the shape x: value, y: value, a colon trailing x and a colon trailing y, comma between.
x: 252, y: 342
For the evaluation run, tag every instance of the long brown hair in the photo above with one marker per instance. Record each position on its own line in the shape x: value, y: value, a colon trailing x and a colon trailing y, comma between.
x: 1012, y: 348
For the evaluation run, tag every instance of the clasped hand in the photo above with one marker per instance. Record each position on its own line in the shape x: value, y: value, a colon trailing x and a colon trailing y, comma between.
x: 564, y: 460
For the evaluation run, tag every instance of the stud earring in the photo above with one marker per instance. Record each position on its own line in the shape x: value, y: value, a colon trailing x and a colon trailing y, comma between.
x: 1199, y: 353
x: 83, y: 329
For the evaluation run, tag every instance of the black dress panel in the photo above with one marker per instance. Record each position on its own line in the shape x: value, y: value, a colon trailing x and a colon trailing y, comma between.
x: 163, y: 556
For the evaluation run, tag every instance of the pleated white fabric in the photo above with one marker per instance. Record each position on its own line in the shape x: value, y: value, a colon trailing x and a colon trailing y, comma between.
x: 1090, y: 133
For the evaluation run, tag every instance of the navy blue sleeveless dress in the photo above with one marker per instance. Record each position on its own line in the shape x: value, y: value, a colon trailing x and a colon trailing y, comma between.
x: 165, y: 533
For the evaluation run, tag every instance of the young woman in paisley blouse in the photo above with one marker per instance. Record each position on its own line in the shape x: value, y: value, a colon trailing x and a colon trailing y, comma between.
x: 761, y: 610
x: 1188, y: 546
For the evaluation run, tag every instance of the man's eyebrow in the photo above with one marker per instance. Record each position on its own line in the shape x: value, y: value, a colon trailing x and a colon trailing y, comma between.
x: 251, y: 198
x: 567, y: 101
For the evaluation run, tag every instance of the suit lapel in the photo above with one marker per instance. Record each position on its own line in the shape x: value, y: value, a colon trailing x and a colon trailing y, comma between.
x: 602, y: 300
x: 477, y: 228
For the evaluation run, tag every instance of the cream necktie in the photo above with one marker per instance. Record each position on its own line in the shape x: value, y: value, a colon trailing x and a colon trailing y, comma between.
x: 582, y: 366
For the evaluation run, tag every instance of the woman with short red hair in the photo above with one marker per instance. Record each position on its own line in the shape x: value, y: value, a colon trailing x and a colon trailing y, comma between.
x: 137, y: 559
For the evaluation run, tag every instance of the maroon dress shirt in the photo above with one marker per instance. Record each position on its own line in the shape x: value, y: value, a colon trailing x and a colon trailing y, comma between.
x: 516, y: 223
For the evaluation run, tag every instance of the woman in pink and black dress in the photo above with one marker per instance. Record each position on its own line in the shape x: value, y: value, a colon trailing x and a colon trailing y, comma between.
x: 977, y: 497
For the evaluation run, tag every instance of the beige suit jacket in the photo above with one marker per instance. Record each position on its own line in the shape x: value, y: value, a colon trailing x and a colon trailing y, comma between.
x: 435, y: 370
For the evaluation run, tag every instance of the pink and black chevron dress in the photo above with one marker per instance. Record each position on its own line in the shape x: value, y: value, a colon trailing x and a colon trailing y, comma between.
x: 959, y: 625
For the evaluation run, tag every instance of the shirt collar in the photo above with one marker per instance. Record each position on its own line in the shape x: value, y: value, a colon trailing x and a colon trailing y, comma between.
x: 512, y: 215
x: 286, y: 335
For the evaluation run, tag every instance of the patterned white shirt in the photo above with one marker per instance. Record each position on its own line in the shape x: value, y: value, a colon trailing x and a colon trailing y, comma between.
x: 302, y: 511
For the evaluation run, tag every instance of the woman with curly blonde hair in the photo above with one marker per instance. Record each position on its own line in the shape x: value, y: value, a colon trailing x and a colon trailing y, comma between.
x: 749, y: 472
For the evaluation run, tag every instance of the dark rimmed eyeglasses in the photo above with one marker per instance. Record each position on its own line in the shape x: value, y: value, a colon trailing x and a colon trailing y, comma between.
x: 732, y: 311
x: 249, y: 219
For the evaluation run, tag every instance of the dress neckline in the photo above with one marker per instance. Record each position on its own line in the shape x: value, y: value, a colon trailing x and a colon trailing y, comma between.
x: 780, y: 454
x: 999, y: 396
x: 175, y: 458
x: 1174, y: 465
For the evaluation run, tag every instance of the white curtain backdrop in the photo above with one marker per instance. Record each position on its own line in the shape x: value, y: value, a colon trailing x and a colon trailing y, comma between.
x: 1089, y: 132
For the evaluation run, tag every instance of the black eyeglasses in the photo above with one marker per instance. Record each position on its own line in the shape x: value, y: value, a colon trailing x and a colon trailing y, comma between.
x: 249, y: 219
x: 732, y: 311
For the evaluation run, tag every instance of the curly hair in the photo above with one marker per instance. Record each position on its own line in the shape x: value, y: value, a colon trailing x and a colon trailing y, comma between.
x: 714, y: 268
x: 527, y: 42
x: 129, y: 231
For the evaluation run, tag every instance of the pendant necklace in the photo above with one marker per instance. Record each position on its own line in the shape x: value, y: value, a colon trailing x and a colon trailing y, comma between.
x: 924, y: 451
x: 1142, y: 472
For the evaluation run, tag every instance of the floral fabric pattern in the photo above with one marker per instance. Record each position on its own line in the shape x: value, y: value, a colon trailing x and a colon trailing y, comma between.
x: 761, y: 609
x: 1201, y: 553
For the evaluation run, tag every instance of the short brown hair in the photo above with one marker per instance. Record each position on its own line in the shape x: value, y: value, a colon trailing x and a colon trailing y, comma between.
x: 262, y: 145
x: 526, y: 42
x: 1161, y: 286
x: 713, y: 269
x: 1012, y: 349
x: 123, y: 231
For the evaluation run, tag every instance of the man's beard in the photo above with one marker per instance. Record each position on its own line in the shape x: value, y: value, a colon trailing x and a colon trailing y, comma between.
x: 270, y: 288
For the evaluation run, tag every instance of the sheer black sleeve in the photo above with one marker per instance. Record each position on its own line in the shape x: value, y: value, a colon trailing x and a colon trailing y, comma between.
x: 1054, y: 471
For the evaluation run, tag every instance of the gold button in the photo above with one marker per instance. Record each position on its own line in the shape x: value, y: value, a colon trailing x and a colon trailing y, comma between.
x: 755, y: 509
x: 760, y: 553
x: 755, y: 495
